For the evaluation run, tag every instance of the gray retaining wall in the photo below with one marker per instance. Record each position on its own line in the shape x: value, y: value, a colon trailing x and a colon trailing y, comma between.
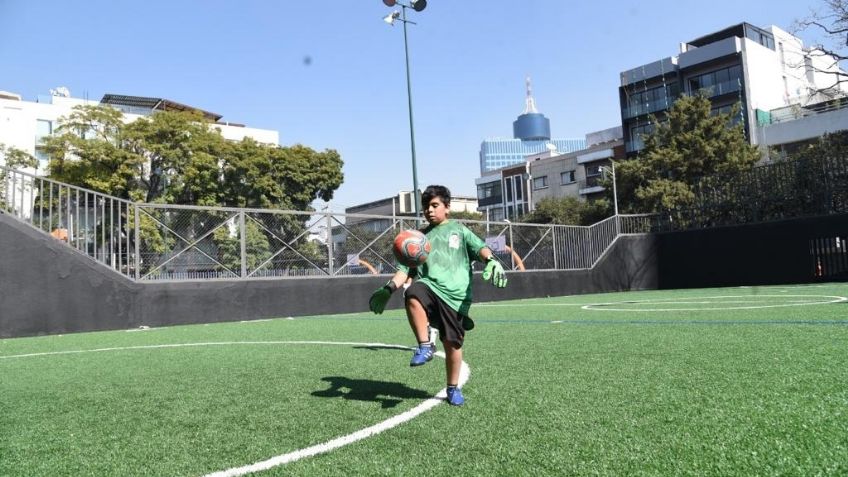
x: 47, y: 287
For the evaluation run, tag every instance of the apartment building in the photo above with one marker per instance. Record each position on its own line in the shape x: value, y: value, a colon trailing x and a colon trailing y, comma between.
x: 25, y: 123
x: 761, y: 69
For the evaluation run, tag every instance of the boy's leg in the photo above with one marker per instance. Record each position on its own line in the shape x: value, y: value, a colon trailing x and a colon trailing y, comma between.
x: 417, y: 317
x: 453, y: 362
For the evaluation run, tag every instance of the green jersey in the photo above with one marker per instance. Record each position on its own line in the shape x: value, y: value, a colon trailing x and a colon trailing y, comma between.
x: 447, y: 270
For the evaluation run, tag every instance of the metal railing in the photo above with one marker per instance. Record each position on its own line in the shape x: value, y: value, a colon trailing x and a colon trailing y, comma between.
x: 145, y: 241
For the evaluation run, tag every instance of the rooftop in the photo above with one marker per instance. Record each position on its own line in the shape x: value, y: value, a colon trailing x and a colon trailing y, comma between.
x: 159, y: 104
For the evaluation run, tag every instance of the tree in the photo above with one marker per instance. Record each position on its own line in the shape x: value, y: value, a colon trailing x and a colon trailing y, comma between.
x: 177, y: 158
x: 568, y: 211
x: 181, y: 157
x: 689, y: 144
x: 831, y: 21
x: 88, y: 150
x: 13, y: 158
x: 833, y: 145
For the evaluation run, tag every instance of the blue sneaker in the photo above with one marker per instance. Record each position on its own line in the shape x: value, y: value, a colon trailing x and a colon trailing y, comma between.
x: 455, y: 396
x: 423, y: 353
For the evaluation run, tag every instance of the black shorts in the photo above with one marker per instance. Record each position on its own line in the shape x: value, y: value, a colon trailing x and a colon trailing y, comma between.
x: 442, y: 317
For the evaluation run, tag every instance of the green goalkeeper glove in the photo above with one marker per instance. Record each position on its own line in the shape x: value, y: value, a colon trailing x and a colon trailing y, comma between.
x: 381, y: 296
x: 495, y: 272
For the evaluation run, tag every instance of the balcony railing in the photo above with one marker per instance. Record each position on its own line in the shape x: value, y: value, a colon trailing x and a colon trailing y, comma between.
x: 647, y: 108
x: 725, y: 87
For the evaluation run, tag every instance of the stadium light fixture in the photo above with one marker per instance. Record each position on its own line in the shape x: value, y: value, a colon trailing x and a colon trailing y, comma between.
x: 391, y: 17
x: 417, y: 5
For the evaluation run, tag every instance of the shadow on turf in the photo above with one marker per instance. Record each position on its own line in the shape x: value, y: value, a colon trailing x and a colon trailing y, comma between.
x: 387, y: 394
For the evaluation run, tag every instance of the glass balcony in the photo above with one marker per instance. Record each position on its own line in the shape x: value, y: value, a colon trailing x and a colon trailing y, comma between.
x: 634, y: 145
x: 648, y: 108
x: 725, y: 87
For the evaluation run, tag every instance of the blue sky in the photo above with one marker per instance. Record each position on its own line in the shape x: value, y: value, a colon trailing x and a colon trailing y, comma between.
x: 247, y: 60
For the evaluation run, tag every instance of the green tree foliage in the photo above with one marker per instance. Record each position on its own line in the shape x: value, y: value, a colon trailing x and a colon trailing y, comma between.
x: 229, y: 247
x: 12, y: 158
x: 568, y: 211
x: 830, y: 145
x: 177, y: 158
x: 88, y: 150
x: 15, y: 158
x: 689, y: 144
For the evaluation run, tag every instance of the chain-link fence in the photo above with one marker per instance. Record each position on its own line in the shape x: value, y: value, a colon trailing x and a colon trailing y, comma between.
x: 775, y: 191
x: 170, y: 242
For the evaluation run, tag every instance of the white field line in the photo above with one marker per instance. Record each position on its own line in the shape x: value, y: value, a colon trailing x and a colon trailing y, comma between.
x: 722, y: 300
x: 706, y: 300
x: 464, y: 375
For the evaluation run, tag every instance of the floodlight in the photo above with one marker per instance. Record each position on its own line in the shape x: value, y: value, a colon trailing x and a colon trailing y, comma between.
x: 390, y: 3
x: 418, y: 5
x: 391, y: 17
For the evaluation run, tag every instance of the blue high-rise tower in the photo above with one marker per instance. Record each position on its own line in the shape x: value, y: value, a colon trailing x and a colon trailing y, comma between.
x: 531, y: 135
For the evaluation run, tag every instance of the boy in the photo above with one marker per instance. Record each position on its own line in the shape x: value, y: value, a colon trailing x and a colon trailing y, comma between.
x: 441, y: 292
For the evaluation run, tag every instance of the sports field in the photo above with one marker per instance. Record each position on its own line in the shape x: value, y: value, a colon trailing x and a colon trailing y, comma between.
x: 730, y: 381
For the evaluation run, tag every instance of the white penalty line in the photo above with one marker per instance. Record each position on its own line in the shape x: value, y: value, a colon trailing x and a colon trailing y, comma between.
x: 464, y: 375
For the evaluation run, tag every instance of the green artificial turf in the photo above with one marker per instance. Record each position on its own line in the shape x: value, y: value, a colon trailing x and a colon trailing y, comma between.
x: 734, y: 381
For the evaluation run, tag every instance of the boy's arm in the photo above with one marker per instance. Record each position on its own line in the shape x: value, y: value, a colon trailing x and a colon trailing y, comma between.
x: 485, y: 254
x: 381, y: 296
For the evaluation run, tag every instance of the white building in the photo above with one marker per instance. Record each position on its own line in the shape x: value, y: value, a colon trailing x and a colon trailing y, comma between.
x: 24, y: 123
x: 763, y: 69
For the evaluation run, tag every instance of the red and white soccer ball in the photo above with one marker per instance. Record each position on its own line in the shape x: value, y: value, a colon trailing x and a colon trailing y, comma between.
x: 411, y: 248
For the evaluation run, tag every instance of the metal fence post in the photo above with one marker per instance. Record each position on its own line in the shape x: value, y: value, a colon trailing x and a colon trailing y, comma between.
x: 554, y: 249
x: 511, y: 247
x: 330, y: 250
x: 242, y: 234
x: 137, y: 242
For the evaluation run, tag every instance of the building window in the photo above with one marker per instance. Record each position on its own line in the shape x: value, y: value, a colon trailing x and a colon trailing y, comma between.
x: 43, y: 128
x: 43, y: 159
x: 651, y: 100
x: 637, y: 134
x: 540, y: 182
x: 567, y: 177
x: 492, y: 189
x: 727, y: 109
x: 809, y: 71
x: 782, y: 54
x: 714, y: 83
x: 594, y: 170
x: 519, y: 188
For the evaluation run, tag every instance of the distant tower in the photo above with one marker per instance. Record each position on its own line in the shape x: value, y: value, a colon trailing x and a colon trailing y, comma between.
x: 531, y: 125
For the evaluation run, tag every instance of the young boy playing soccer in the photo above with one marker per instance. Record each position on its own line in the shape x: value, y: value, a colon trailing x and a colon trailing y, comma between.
x: 441, y: 292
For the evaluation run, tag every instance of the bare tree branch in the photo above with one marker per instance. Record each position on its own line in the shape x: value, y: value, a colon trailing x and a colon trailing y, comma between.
x: 831, y: 21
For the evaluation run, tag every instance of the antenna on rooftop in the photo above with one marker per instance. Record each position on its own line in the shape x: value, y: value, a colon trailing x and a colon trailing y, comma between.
x: 530, y: 103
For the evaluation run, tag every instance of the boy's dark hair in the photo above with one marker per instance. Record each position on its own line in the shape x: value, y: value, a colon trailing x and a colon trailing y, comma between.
x: 435, y: 191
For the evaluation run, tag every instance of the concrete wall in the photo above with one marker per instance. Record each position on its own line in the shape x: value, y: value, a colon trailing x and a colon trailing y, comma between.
x: 47, y: 287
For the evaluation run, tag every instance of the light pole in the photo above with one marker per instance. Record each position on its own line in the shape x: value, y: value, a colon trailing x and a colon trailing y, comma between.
x: 417, y: 5
x: 611, y: 171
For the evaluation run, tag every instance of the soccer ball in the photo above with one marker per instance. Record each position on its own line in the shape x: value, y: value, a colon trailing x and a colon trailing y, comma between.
x: 411, y: 248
